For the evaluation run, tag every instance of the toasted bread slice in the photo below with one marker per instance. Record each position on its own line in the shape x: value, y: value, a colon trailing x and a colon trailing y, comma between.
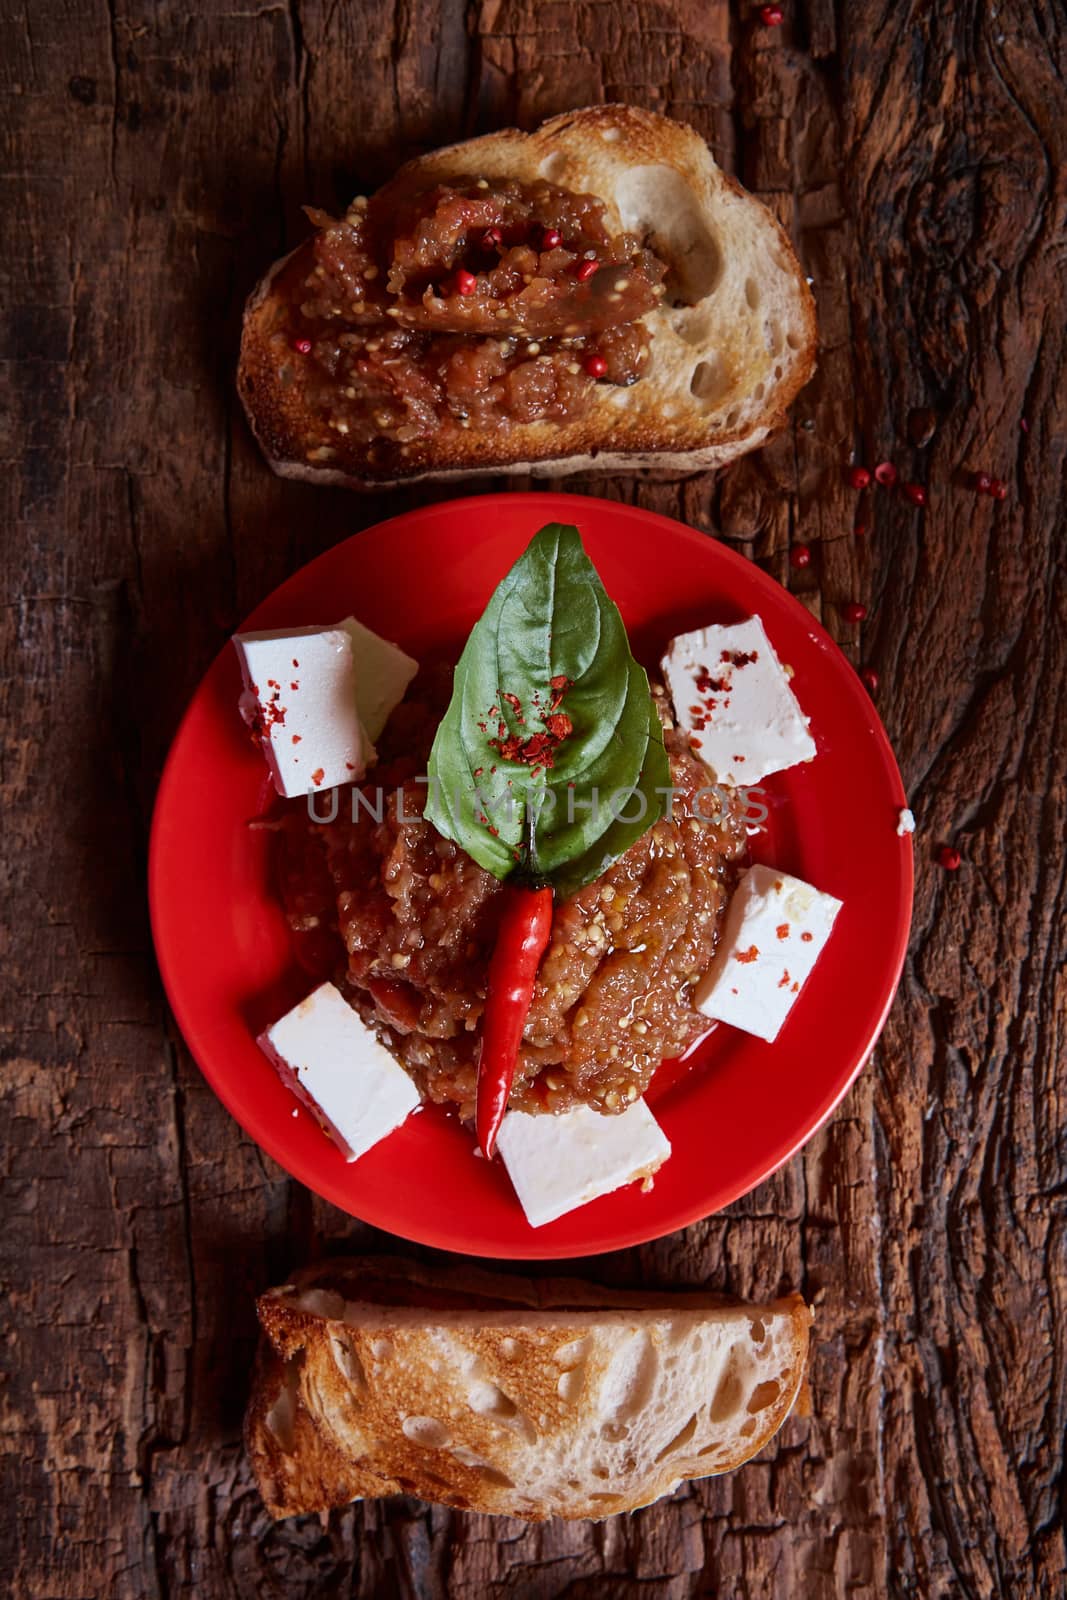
x: 732, y: 342
x: 506, y: 1395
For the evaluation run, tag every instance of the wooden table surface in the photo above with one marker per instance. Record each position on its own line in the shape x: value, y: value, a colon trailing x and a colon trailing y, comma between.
x: 155, y: 159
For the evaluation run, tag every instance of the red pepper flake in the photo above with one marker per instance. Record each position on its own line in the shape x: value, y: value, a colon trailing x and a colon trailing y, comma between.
x: 351, y: 765
x: 949, y: 858
x: 515, y: 703
x: 983, y: 483
x: 870, y: 678
x: 294, y: 686
x: 318, y: 775
x: 272, y: 683
x: 854, y: 611
x: 915, y: 493
x: 999, y: 489
x: 800, y: 555
x: 859, y: 478
x: 785, y: 980
x: 782, y: 930
x: 302, y: 347
x: 596, y: 366
x: 739, y: 759
x: 466, y: 282
x: 586, y: 270
x: 478, y: 771
x: 1024, y: 425
x: 807, y: 937
x: 745, y: 956
x: 264, y: 718
x: 551, y: 238
x: 698, y: 744
x: 860, y: 529
x: 706, y: 684
x: 795, y: 989
x: 739, y: 658
x: 492, y: 237
x: 559, y: 725
x: 295, y: 662
x: 771, y: 16
x: 494, y: 831
x: 885, y: 473
x: 297, y: 738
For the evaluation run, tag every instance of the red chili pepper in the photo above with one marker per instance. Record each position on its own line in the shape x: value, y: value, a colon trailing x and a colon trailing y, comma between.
x: 524, y: 930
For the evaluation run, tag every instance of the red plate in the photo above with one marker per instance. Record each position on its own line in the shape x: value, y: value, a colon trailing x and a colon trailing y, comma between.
x: 739, y: 1107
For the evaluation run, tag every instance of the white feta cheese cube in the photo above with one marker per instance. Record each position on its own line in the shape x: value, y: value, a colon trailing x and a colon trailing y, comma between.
x: 775, y: 928
x: 318, y: 698
x: 557, y: 1163
x: 905, y: 822
x: 732, y: 697
x: 383, y: 673
x: 334, y: 1064
x: 300, y: 700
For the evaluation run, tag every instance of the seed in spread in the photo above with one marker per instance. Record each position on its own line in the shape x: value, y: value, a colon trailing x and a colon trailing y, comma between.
x: 465, y: 305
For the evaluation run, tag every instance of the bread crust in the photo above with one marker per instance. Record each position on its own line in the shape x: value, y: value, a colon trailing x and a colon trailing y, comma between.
x: 725, y: 363
x: 349, y: 1390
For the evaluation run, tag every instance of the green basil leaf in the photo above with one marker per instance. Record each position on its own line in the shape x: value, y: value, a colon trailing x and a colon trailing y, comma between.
x: 549, y: 619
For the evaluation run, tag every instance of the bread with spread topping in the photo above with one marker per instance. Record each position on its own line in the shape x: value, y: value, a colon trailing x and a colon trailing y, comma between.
x: 385, y: 351
x: 507, y: 1395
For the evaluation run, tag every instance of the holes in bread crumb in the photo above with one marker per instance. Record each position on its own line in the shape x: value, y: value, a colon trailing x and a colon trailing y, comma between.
x: 763, y: 1395
x: 573, y: 1354
x: 732, y: 416
x: 778, y: 371
x: 601, y: 1471
x: 348, y: 1363
x: 729, y: 1392
x: 759, y: 391
x: 774, y: 337
x: 613, y: 1432
x: 427, y: 1431
x: 282, y: 1414
x: 710, y: 381
x: 752, y: 294
x: 494, y: 1476
x: 570, y: 1384
x: 792, y: 341
x: 489, y: 1401
x: 680, y: 1440
x: 629, y: 1380
x: 779, y: 260
x: 758, y: 1331
x: 552, y: 166
x: 658, y: 204
x: 747, y: 1429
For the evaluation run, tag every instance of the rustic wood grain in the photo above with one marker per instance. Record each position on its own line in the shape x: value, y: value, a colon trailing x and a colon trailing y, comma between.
x: 154, y: 160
